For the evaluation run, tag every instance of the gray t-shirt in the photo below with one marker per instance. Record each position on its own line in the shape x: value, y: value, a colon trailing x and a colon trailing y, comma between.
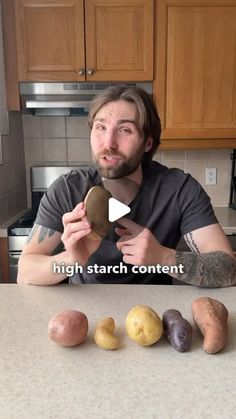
x: 169, y: 203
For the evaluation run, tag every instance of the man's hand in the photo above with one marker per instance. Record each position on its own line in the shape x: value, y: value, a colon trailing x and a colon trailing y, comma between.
x: 76, y: 235
x: 139, y: 246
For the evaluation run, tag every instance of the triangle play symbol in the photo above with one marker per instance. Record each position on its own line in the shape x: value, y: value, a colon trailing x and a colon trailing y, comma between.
x: 116, y: 209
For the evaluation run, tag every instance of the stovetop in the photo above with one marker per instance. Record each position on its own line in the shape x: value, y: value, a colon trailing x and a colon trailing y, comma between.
x: 23, y: 225
x: 40, y: 178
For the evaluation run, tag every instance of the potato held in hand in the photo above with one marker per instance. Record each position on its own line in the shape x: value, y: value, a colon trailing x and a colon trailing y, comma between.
x: 96, y: 206
x: 104, y: 334
x: 177, y: 330
x: 68, y: 328
x: 143, y: 325
x: 211, y: 317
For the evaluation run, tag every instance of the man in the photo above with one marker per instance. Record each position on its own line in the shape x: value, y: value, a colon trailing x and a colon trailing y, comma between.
x: 125, y: 133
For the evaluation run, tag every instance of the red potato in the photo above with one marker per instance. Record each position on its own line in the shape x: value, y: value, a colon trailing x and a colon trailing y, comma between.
x: 211, y: 317
x: 68, y: 328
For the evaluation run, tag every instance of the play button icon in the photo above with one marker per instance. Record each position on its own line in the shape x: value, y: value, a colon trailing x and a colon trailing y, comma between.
x: 116, y: 209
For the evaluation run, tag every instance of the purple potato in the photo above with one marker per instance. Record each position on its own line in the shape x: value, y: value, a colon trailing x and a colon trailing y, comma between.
x: 177, y: 330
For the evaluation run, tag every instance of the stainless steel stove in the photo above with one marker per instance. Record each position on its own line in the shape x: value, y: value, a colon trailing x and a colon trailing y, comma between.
x: 41, y: 178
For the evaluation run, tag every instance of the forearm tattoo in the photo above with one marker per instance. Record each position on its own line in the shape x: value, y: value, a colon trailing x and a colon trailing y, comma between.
x: 191, y: 243
x: 43, y: 233
x: 211, y: 270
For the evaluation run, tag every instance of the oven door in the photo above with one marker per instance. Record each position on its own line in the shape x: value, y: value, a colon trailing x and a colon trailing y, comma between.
x: 13, y: 264
x: 15, y: 246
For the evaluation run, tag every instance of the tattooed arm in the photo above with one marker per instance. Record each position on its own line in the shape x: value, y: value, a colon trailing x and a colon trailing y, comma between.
x: 214, y: 269
x: 211, y: 263
x: 36, y: 261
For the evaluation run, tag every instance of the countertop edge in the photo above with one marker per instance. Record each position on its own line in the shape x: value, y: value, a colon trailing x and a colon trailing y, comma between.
x: 4, y: 226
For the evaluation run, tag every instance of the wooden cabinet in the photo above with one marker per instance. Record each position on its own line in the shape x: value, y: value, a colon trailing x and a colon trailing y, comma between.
x: 4, y: 262
x: 195, y: 85
x: 78, y: 40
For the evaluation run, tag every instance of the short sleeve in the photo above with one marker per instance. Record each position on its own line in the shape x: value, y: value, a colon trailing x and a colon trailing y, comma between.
x: 54, y: 203
x: 195, y: 206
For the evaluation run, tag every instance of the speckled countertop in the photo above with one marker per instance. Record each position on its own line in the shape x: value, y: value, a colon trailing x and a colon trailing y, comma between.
x: 41, y: 380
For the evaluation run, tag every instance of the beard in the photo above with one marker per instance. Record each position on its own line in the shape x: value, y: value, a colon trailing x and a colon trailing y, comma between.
x: 124, y: 167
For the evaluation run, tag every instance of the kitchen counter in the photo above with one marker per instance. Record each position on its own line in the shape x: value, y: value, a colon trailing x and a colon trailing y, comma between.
x: 227, y: 219
x: 39, y: 379
x: 7, y: 223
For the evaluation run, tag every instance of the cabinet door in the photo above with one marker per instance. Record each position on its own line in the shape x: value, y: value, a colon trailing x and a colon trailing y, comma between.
x: 50, y: 39
x: 196, y: 72
x: 4, y: 262
x: 119, y: 39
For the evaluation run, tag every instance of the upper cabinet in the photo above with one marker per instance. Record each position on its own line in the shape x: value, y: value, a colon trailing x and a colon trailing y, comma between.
x: 195, y: 86
x: 78, y: 40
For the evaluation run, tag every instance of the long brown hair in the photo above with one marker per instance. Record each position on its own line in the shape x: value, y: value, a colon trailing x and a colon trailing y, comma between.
x: 149, y: 123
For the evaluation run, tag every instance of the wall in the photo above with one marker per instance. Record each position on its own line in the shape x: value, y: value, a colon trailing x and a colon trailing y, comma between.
x: 56, y: 141
x: 196, y: 162
x: 4, y: 123
x: 12, y: 171
x: 65, y: 141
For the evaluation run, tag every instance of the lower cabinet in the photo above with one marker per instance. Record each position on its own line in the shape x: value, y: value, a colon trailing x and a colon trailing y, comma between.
x: 4, y: 261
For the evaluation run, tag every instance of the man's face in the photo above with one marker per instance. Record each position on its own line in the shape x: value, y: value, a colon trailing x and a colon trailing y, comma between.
x: 117, y: 146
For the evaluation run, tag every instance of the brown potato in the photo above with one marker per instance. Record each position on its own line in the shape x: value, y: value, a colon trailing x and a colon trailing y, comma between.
x: 68, y: 328
x: 211, y: 317
x: 96, y: 206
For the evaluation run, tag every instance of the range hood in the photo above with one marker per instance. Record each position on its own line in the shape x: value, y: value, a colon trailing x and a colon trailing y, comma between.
x: 64, y: 99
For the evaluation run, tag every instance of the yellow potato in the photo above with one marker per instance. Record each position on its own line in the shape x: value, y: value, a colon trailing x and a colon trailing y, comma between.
x: 143, y: 325
x: 104, y: 334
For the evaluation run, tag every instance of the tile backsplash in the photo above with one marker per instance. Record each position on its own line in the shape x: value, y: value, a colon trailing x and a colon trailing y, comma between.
x: 65, y: 141
x: 196, y: 162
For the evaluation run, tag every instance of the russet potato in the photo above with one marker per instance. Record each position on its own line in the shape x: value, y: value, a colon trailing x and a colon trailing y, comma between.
x: 143, y: 325
x: 96, y: 206
x: 68, y: 328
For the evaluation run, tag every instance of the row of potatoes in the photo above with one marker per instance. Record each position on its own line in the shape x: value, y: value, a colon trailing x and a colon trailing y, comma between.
x: 145, y: 327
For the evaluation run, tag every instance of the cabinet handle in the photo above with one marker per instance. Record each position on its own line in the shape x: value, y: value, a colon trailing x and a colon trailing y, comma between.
x: 90, y: 71
x: 81, y: 71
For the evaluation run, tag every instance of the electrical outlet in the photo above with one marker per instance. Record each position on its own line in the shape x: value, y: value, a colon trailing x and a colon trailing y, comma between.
x: 211, y: 176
